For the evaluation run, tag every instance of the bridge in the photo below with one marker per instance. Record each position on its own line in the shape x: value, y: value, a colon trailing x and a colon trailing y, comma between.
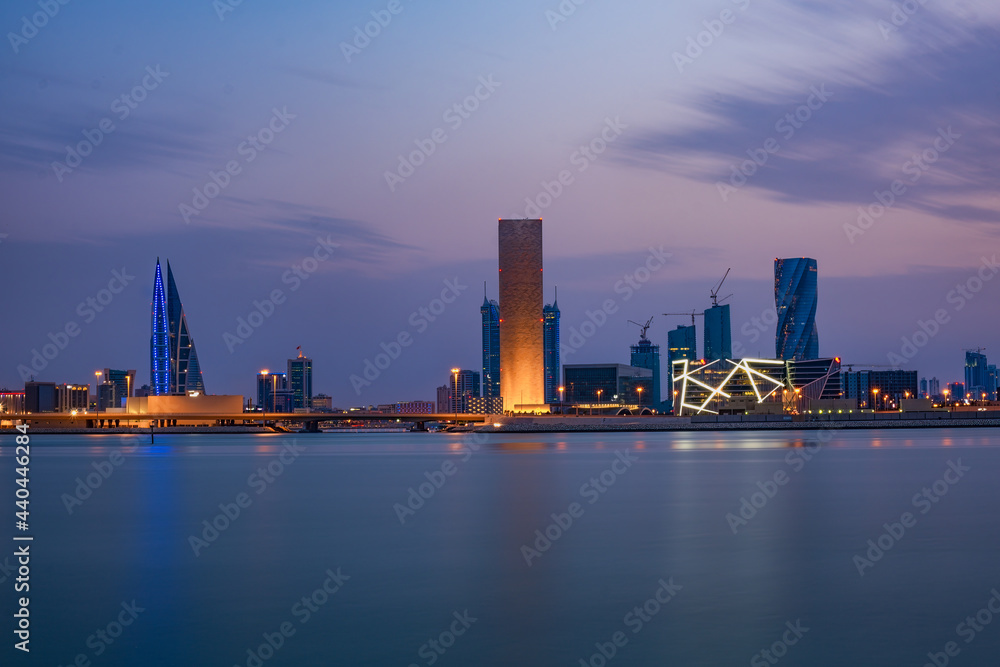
x: 310, y: 420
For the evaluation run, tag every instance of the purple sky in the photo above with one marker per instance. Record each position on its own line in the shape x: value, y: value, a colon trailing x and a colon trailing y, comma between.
x: 644, y: 125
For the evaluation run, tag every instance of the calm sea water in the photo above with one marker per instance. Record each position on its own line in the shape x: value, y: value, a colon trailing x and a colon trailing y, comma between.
x: 115, y: 577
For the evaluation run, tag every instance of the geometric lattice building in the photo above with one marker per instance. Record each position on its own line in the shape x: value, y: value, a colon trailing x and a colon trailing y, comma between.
x: 796, y: 336
x: 522, y: 367
x: 740, y: 385
x: 174, y: 366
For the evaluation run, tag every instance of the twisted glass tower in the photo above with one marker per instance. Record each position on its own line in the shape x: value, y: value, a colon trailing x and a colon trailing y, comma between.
x: 174, y: 367
x: 795, y: 300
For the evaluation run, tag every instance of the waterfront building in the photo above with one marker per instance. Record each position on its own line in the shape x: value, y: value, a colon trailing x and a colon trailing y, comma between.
x: 976, y: 375
x: 464, y: 386
x: 522, y: 368
x: 608, y: 384
x: 321, y: 403
x: 40, y: 396
x: 444, y: 399
x: 682, y: 343
x: 11, y: 401
x: 795, y: 294
x: 645, y: 354
x: 300, y: 381
x: 923, y: 387
x: 934, y: 387
x: 123, y: 382
x: 956, y: 391
x: 485, y: 405
x: 174, y: 366
x: 892, y: 386
x: 550, y: 340
x: 70, y: 397
x: 490, y: 311
x: 273, y: 394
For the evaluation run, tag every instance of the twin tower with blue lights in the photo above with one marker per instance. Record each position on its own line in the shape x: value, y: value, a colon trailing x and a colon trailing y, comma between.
x: 173, y: 360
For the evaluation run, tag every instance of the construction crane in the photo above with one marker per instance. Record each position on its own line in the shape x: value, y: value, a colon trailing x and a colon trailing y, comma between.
x: 978, y: 350
x: 644, y: 327
x: 715, y: 292
x: 693, y: 315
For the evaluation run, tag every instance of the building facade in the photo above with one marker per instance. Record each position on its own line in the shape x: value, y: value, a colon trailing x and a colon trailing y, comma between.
x: 880, y: 388
x: 273, y: 394
x: 522, y: 367
x: 124, y: 383
x: 11, y: 401
x: 300, y: 381
x: 682, y: 343
x: 550, y: 351
x: 795, y: 294
x: 443, y: 399
x: 464, y: 385
x: 490, y: 311
x: 70, y: 397
x: 977, y: 376
x: 40, y: 396
x: 718, y: 343
x: 646, y: 355
x: 607, y: 384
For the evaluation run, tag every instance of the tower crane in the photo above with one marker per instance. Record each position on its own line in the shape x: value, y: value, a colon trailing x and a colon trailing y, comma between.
x: 715, y: 292
x: 643, y: 327
x: 693, y: 315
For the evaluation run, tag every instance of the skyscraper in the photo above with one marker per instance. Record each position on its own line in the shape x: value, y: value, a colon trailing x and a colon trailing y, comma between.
x: 795, y: 299
x: 977, y: 374
x: 174, y: 367
x: 464, y: 385
x: 185, y: 371
x: 159, y: 342
x: 682, y: 343
x: 522, y: 368
x: 300, y: 380
x: 273, y: 394
x: 550, y: 338
x: 647, y: 355
x: 718, y: 333
x: 490, y: 310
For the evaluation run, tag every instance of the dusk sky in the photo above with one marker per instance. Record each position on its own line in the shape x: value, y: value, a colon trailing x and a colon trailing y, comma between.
x: 120, y: 119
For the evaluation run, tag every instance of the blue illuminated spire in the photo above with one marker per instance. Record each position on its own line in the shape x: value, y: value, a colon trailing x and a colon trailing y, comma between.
x: 159, y: 350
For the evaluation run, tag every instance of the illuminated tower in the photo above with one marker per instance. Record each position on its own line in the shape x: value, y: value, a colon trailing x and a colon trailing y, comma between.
x: 185, y: 372
x: 490, y: 310
x: 159, y: 348
x: 522, y: 368
x: 795, y: 300
x: 550, y: 336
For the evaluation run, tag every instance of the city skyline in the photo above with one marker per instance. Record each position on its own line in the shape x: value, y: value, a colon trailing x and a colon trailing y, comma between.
x: 671, y: 152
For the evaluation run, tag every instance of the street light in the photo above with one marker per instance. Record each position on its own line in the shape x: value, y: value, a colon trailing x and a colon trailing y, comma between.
x: 598, y: 400
x: 454, y: 391
x: 97, y: 392
x: 639, y: 389
x: 875, y: 400
x: 561, y: 390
